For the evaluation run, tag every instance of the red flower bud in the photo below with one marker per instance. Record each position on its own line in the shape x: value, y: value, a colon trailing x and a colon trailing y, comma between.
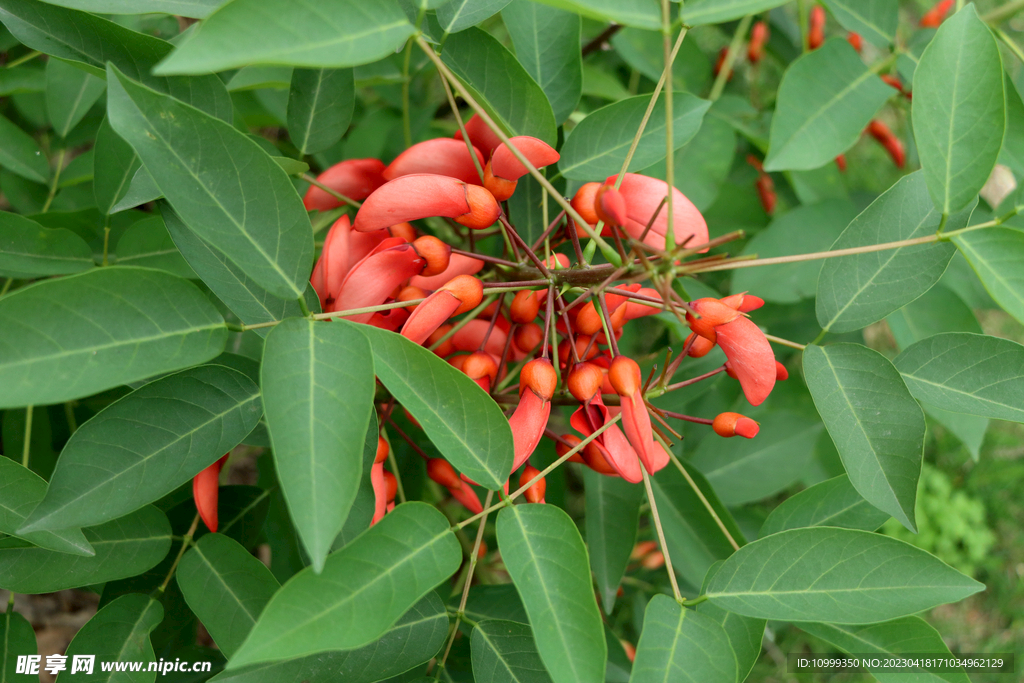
x: 540, y: 377
x: 205, y: 492
x: 732, y: 424
x: 585, y: 381
x: 781, y: 373
x: 625, y: 376
x: 534, y: 494
x: 572, y: 440
x: 383, y: 449
x: 584, y: 202
x: 528, y: 337
x: 610, y: 206
x: 855, y: 40
x: 816, y: 32
x: 441, y: 471
x: 758, y: 38
x: 933, y: 17
x: 525, y: 306
x: 435, y: 252
x: 467, y: 289
x: 700, y: 347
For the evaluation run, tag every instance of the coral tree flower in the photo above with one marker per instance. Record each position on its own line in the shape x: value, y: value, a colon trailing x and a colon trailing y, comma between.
x: 354, y: 178
x: 421, y: 195
x: 379, y: 482
x: 504, y: 169
x: 585, y: 380
x: 461, y: 295
x: 537, y: 383
x: 441, y: 471
x: 642, y: 196
x: 624, y: 375
x: 205, y: 491
x: 440, y: 156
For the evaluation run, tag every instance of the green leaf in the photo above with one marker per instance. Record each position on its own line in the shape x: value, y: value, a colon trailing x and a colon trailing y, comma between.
x: 244, y: 297
x: 226, y: 587
x: 22, y: 79
x: 331, y: 33
x: 613, y: 515
x: 259, y: 77
x: 93, y: 41
x: 363, y: 507
x: 463, y: 422
x: 746, y: 470
x: 695, y: 540
x: 458, y: 15
x: 937, y: 310
x: 16, y: 639
x: 681, y: 645
x: 320, y: 105
x: 20, y: 154
x: 317, y: 380
x: 363, y: 589
x: 225, y: 188
x: 119, y: 632
x: 857, y: 290
x: 842, y: 576
x: 707, y: 157
x: 597, y: 146
x: 70, y: 93
x: 504, y: 652
x: 148, y: 244
x: 807, y: 228
x: 719, y: 11
x: 1012, y: 153
x: 644, y: 51
x: 967, y: 373
x: 546, y: 558
x: 874, y: 20
x: 21, y: 491
x: 28, y: 250
x: 831, y: 503
x: 825, y: 100
x: 413, y: 640
x: 71, y: 337
x: 874, y: 422
x: 640, y: 13
x: 547, y: 44
x: 959, y: 109
x: 196, y: 9
x: 494, y: 601
x: 147, y: 444
x: 908, y: 635
x: 124, y: 547
x: 745, y: 634
x: 504, y: 87
x: 141, y: 190
x: 995, y: 254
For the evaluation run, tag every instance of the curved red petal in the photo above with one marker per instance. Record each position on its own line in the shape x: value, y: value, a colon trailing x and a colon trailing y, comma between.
x: 482, y: 137
x: 335, y: 257
x: 637, y: 425
x: 505, y: 164
x: 621, y: 454
x: 371, y: 280
x: 643, y: 195
x: 472, y: 334
x: 458, y: 264
x: 380, y: 492
x: 430, y: 315
x: 411, y: 197
x: 751, y: 357
x: 528, y: 423
x: 467, y: 496
x: 441, y: 156
x: 391, y: 320
x: 354, y: 178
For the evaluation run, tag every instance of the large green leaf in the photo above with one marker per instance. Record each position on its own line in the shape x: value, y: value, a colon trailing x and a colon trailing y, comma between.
x: 124, y: 547
x: 1012, y: 153
x: 328, y: 33
x: 857, y: 290
x: 458, y: 15
x: 495, y: 601
x: 20, y: 154
x: 243, y: 296
x: 20, y: 492
x: 505, y: 88
x: 226, y: 587
x: 27, y: 249
x: 504, y: 652
x: 825, y: 100
x: 995, y: 254
x: 833, y: 502
x: 114, y: 165
x: 842, y: 576
x: 225, y: 188
x: 413, y: 640
x: 93, y: 41
x: 196, y: 9
x: 967, y: 373
x: 745, y: 633
x: 745, y: 470
x: 874, y: 20
x: 694, y: 539
x: 74, y: 336
x: 362, y: 591
x: 119, y: 632
x: 719, y: 11
x: 547, y: 561
x: 320, y: 105
x: 875, y: 423
x: 148, y: 244
x: 807, y: 228
x: 317, y: 380
x: 959, y: 110
x: 937, y: 310
x: 70, y: 93
x: 363, y: 507
x: 613, y: 514
x: 463, y: 422
x: 681, y: 645
x: 16, y: 639
x: 907, y: 635
x: 141, y: 189
x: 597, y: 146
x: 547, y: 44
x: 639, y: 13
x: 147, y: 444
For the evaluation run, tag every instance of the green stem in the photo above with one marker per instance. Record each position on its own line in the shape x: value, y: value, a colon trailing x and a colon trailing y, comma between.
x: 730, y: 57
x: 804, y: 19
x: 7, y: 286
x: 303, y: 307
x: 185, y: 542
x: 26, y: 445
x: 69, y: 414
x: 28, y: 57
x: 661, y: 535
x: 56, y: 179
x: 1004, y: 12
x: 707, y: 505
x: 1010, y: 43
x: 666, y: 44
